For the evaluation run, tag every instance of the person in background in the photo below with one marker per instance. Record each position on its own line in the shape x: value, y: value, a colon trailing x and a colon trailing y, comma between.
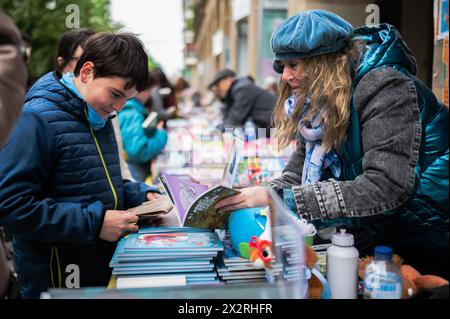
x: 163, y: 100
x: 13, y: 78
x: 243, y: 101
x: 62, y: 196
x: 26, y: 47
x: 141, y: 145
x: 181, y: 90
x: 70, y: 48
x: 373, y: 151
x: 185, y: 96
x: 26, y: 52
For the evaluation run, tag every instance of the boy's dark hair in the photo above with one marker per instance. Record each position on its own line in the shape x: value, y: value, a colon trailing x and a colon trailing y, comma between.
x: 120, y: 55
x: 69, y: 43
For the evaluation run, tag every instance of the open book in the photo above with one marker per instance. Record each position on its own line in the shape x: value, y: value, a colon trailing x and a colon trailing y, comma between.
x: 152, y: 208
x: 194, y: 202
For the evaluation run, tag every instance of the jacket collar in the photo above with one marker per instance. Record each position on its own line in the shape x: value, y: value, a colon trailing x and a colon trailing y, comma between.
x: 49, y: 88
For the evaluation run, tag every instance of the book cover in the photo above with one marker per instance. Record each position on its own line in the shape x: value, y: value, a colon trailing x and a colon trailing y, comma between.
x: 161, y: 271
x: 171, y: 229
x: 152, y: 256
x: 195, y: 202
x: 173, y: 241
x: 181, y: 262
x: 182, y: 192
x: 150, y: 268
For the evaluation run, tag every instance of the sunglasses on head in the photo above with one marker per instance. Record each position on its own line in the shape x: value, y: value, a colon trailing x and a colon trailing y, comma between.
x: 278, y: 65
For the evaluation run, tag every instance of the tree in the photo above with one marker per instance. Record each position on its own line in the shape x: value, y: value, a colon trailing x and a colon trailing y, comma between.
x: 44, y: 21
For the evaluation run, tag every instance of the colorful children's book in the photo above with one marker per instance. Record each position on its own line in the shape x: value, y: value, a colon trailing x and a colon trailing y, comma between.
x: 181, y: 262
x: 118, y: 271
x: 194, y: 202
x: 177, y: 241
x: 159, y: 256
x: 170, y: 229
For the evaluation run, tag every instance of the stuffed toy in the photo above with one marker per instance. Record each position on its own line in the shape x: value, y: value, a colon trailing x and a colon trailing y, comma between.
x: 317, y: 285
x: 260, y: 252
x: 412, y: 281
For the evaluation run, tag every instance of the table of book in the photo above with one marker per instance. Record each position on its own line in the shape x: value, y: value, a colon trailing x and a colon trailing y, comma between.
x: 221, y: 278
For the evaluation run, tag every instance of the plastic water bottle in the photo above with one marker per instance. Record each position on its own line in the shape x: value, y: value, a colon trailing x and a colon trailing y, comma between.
x: 342, y: 266
x: 382, y: 279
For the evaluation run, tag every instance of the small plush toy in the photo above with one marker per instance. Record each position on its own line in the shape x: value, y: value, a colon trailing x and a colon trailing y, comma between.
x: 412, y: 281
x: 261, y: 256
x: 261, y: 247
x: 260, y: 252
x: 315, y: 285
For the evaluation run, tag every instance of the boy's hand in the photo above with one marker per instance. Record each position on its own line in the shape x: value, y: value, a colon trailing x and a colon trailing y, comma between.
x: 248, y: 197
x: 116, y: 224
x: 152, y: 196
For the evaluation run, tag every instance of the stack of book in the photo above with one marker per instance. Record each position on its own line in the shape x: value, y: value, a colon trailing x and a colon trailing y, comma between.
x: 233, y: 269
x: 166, y: 256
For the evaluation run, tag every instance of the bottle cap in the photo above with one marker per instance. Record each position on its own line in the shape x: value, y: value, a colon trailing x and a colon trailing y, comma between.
x: 383, y: 252
x: 342, y: 239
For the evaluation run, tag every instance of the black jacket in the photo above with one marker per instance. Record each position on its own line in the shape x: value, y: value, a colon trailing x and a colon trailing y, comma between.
x: 244, y: 100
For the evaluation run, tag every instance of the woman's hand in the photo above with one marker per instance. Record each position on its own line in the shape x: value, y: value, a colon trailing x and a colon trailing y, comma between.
x: 248, y: 197
x: 152, y: 196
x: 160, y: 125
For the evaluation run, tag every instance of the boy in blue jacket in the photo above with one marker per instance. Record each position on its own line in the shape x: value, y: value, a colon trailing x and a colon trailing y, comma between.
x: 61, y: 192
x: 140, y: 145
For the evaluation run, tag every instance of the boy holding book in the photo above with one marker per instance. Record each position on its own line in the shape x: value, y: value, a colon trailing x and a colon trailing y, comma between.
x: 61, y: 192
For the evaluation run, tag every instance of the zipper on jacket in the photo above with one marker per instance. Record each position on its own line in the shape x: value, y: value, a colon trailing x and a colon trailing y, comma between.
x: 103, y: 162
x: 55, y: 252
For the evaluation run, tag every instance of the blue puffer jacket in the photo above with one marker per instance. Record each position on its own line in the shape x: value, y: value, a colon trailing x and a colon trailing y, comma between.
x: 139, y: 145
x: 57, y: 179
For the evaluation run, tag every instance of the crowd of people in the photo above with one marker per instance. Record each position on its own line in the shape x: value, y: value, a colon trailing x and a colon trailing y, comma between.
x: 88, y: 96
x: 76, y: 147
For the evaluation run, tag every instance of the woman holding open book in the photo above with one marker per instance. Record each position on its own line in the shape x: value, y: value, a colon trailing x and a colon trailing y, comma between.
x: 372, y: 139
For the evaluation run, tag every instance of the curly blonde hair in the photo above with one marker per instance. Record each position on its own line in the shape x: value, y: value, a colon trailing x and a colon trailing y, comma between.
x: 327, y: 81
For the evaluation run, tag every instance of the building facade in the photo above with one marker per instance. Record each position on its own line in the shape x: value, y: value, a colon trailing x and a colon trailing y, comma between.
x: 235, y: 34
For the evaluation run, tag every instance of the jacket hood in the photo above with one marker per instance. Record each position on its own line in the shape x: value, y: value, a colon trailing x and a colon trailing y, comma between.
x: 49, y: 88
x: 383, y: 47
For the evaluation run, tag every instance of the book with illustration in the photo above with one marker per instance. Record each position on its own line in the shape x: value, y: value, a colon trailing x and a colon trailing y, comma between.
x: 195, y: 202
x: 171, y: 242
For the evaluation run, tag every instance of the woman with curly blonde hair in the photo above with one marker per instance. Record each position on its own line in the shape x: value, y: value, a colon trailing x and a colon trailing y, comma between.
x: 372, y: 150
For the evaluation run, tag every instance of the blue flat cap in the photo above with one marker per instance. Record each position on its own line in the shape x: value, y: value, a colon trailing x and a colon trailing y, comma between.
x: 310, y: 33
